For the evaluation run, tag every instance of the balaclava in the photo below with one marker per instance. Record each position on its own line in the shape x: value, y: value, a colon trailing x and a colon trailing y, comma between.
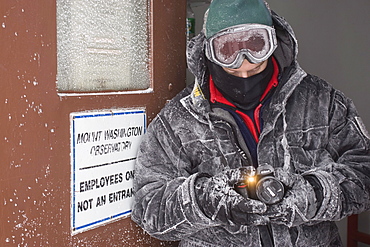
x: 245, y: 93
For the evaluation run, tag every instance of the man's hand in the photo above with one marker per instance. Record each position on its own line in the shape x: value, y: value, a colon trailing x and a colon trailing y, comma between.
x: 299, y: 203
x: 219, y: 201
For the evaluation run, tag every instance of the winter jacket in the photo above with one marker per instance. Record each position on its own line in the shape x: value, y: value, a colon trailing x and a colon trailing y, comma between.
x: 309, y: 128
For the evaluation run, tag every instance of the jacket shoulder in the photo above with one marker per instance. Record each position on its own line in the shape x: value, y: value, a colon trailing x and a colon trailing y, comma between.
x: 314, y: 83
x: 174, y: 116
x: 320, y: 86
x: 174, y: 107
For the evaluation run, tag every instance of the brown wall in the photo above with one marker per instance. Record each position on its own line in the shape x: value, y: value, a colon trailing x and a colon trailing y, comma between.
x: 35, y: 127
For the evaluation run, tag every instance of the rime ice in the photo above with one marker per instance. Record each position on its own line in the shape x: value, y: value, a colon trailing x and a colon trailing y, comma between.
x: 102, y: 45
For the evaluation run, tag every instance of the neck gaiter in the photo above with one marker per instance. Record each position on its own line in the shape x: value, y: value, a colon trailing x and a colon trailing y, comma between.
x: 245, y: 93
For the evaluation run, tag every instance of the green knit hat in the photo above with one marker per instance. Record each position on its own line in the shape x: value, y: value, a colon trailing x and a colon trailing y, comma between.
x: 227, y: 13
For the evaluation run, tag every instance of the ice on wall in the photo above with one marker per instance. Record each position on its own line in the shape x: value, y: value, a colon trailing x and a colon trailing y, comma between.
x: 102, y: 45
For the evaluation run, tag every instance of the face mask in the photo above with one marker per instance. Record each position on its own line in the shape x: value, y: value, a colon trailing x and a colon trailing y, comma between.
x: 245, y: 93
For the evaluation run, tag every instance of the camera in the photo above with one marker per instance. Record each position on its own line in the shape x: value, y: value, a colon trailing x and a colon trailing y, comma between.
x: 260, y: 184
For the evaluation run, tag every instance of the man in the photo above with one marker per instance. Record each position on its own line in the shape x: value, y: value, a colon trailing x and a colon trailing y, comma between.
x: 252, y: 109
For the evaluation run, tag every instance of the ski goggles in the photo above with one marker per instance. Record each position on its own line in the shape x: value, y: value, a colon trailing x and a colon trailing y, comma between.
x: 230, y: 46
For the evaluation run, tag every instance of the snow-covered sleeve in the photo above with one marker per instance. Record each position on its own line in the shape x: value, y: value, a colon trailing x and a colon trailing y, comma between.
x: 345, y: 176
x: 164, y: 204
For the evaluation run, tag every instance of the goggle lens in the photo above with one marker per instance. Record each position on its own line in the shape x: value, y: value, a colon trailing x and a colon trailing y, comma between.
x: 256, y: 42
x: 228, y: 46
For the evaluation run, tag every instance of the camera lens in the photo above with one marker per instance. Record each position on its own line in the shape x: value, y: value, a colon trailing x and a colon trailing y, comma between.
x: 269, y: 190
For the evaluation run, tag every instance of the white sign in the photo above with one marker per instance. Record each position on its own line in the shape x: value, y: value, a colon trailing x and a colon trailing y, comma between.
x: 103, y: 153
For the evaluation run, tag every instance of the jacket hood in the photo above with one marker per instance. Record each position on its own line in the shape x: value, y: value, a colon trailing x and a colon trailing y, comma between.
x: 286, y: 52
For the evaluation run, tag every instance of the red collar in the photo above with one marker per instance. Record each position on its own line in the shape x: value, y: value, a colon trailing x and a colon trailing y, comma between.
x: 216, y: 95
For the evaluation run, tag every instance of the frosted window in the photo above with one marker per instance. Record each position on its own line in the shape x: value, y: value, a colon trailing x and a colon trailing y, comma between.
x: 102, y: 45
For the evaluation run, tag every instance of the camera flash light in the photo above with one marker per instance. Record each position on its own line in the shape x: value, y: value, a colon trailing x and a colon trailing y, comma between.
x: 251, y: 179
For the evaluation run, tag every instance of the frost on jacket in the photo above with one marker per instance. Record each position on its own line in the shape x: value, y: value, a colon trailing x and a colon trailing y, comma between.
x: 309, y: 127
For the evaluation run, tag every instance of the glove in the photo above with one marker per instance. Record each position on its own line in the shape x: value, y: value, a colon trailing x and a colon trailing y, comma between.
x: 219, y: 201
x: 299, y: 204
